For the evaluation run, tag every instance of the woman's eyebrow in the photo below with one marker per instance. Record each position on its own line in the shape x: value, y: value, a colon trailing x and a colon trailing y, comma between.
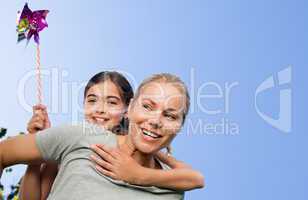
x: 171, y: 110
x: 150, y: 101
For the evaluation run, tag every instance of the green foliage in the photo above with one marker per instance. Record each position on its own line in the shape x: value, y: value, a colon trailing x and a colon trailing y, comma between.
x: 2, y: 132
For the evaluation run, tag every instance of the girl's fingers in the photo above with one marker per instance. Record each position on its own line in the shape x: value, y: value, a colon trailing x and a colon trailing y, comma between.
x: 39, y: 107
x: 47, y: 123
x: 34, y: 127
x: 40, y: 117
x: 111, y: 151
x: 169, y: 160
x: 102, y: 163
x: 105, y: 172
x: 46, y: 119
x: 37, y: 118
x: 102, y: 153
x: 38, y: 114
x: 38, y: 126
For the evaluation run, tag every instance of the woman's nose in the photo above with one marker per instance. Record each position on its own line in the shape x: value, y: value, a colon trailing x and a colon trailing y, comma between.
x: 155, y: 122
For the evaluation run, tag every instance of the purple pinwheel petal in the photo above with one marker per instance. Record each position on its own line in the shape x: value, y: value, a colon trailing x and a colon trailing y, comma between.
x: 42, y: 13
x: 30, y: 34
x: 26, y: 12
x: 36, y: 38
x: 38, y: 19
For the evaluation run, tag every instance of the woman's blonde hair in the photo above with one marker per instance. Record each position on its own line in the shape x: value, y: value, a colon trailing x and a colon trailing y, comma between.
x: 172, y: 79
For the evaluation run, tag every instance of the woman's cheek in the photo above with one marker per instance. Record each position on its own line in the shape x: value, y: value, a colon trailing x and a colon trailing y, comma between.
x: 172, y: 127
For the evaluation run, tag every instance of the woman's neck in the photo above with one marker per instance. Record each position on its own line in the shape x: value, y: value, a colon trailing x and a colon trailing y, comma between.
x: 126, y: 145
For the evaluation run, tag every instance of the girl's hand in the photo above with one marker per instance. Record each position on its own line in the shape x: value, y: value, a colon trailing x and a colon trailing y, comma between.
x: 117, y: 164
x: 39, y: 120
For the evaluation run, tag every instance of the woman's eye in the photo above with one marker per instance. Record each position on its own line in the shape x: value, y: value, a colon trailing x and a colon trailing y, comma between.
x: 147, y: 107
x: 171, y: 117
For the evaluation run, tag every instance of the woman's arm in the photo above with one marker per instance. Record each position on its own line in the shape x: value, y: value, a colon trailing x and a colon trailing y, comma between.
x: 118, y: 165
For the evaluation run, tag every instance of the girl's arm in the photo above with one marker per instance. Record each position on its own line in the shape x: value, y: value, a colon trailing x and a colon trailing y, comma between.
x: 38, y: 179
x: 31, y: 182
x: 180, y: 177
x: 19, y: 150
x: 119, y: 165
x: 48, y: 175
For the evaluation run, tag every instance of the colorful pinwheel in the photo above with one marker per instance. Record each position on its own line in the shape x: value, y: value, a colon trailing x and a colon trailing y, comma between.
x: 31, y: 23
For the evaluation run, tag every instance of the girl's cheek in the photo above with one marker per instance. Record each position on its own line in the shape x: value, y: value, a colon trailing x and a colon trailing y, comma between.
x: 116, y: 112
x: 93, y: 109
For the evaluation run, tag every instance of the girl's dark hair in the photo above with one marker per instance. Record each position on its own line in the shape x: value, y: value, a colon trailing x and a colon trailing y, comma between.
x: 125, y: 90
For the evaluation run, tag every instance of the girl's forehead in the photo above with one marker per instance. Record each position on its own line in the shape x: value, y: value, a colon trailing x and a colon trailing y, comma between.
x: 105, y: 88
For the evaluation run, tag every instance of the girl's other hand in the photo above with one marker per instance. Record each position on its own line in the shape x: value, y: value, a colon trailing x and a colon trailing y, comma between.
x: 116, y: 164
x: 39, y: 120
x: 171, y: 161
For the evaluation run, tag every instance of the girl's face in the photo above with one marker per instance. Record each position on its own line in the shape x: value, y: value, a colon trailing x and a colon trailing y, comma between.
x: 155, y: 116
x: 103, y: 105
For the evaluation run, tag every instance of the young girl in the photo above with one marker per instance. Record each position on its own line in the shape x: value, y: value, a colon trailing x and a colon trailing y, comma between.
x: 106, y: 99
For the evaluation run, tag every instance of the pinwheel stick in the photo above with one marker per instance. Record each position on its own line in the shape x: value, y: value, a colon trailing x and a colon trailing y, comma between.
x: 38, y: 73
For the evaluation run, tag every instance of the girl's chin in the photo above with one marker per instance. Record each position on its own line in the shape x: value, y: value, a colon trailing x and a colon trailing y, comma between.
x: 103, y: 126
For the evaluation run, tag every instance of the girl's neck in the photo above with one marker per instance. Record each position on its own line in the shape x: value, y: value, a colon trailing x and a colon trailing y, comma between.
x: 126, y: 145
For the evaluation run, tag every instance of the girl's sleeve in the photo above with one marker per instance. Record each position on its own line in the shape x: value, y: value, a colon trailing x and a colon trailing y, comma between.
x: 54, y: 143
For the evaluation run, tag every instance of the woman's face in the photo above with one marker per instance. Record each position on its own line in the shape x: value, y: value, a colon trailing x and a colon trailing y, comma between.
x: 155, y: 116
x: 103, y: 105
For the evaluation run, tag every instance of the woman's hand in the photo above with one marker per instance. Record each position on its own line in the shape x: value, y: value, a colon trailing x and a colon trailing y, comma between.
x: 39, y: 120
x: 117, y: 164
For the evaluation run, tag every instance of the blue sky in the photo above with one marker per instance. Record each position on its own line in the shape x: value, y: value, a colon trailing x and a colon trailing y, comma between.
x: 222, y: 49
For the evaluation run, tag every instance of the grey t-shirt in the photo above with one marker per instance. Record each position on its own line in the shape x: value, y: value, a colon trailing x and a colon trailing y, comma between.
x: 77, y: 178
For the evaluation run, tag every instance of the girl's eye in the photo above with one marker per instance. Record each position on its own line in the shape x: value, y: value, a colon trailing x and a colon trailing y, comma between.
x: 112, y: 102
x: 147, y: 106
x: 91, y: 100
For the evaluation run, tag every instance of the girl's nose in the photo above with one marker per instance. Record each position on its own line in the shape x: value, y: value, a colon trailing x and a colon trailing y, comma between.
x: 101, y: 108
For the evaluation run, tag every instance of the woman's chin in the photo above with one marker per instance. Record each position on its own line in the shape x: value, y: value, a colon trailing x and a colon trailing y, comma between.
x: 146, y: 149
